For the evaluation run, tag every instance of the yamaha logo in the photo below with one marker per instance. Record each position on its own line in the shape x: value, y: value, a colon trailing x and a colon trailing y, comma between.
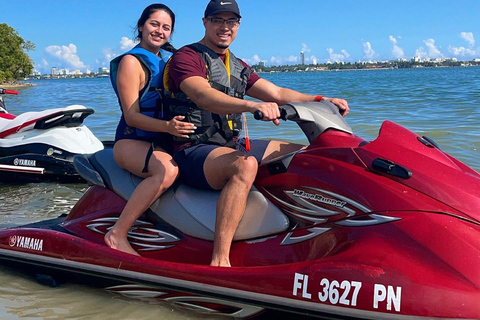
x: 26, y: 243
x: 13, y: 241
x: 25, y: 162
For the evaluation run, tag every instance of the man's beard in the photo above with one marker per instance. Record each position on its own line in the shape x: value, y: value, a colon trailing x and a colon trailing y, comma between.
x: 222, y: 46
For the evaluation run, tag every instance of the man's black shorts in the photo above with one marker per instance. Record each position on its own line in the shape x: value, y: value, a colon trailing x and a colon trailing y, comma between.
x: 190, y: 160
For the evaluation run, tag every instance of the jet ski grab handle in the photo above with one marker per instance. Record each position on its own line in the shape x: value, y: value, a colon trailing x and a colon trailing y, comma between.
x: 5, y: 91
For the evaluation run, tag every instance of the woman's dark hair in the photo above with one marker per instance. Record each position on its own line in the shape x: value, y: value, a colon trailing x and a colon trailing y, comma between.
x: 147, y: 12
x: 168, y: 47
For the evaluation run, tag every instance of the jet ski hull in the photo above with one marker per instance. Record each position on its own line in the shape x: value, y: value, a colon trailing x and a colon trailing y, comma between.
x: 368, y: 272
x: 345, y: 228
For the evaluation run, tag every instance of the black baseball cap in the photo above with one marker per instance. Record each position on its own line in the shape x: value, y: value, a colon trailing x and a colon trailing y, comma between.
x: 216, y: 6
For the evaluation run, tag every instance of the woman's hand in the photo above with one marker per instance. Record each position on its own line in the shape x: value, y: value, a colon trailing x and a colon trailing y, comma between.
x: 179, y: 128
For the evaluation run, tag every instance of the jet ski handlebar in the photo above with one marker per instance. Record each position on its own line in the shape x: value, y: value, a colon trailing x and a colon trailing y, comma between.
x: 5, y: 91
x: 313, y: 118
x: 258, y: 115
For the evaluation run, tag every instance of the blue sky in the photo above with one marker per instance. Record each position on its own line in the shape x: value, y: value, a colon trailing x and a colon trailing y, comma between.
x: 88, y: 34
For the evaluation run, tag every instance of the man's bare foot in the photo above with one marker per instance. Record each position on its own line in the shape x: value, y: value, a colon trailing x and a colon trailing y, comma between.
x: 220, y: 262
x: 118, y: 243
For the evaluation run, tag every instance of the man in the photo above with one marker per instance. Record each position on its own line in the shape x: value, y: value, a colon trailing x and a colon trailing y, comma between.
x: 208, y: 78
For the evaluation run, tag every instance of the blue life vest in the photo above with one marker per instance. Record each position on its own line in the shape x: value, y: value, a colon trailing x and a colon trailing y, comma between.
x: 151, y: 95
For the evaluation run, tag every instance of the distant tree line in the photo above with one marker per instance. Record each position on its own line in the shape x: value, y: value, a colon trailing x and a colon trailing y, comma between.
x: 361, y: 65
x: 15, y: 62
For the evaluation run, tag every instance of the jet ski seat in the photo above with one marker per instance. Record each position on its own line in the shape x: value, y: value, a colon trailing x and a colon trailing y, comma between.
x: 190, y: 210
x: 69, y: 116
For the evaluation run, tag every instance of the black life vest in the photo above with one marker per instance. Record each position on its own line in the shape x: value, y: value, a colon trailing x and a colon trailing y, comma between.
x: 230, y: 78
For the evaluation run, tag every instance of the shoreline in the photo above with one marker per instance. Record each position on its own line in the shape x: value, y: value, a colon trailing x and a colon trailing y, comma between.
x: 15, y: 84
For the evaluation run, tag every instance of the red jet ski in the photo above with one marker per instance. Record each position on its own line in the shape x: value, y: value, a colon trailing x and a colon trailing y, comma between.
x: 387, y: 229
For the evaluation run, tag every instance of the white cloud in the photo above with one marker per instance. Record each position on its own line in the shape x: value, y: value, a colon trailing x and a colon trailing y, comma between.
x: 305, y: 48
x: 292, y: 59
x: 280, y: 61
x: 461, y: 51
x: 252, y: 61
x: 42, y: 65
x: 127, y: 44
x: 368, y: 51
x: 421, y: 53
x: 433, y: 51
x: 255, y: 59
x: 392, y: 39
x: 276, y: 61
x: 66, y: 55
x: 468, y: 36
x: 337, y: 57
x: 397, y: 52
x: 108, y: 54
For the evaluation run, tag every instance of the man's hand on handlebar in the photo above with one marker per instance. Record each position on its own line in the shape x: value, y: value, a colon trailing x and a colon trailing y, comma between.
x: 267, y: 111
x: 341, y: 104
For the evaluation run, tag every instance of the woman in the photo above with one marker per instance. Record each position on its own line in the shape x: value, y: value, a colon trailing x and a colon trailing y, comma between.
x: 136, y: 77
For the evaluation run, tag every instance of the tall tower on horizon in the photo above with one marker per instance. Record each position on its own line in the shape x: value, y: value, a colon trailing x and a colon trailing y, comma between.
x: 302, y: 57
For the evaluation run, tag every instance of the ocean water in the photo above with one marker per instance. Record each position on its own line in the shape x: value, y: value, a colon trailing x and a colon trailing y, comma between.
x: 442, y: 103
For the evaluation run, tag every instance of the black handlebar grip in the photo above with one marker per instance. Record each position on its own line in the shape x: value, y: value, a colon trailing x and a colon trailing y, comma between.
x: 258, y: 115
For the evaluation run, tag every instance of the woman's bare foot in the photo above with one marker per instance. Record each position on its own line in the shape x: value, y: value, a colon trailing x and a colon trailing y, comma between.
x: 118, y: 243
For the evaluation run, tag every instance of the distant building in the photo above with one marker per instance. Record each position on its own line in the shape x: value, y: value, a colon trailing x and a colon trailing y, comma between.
x: 302, y: 57
x: 103, y: 70
x: 262, y: 63
x: 54, y: 71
